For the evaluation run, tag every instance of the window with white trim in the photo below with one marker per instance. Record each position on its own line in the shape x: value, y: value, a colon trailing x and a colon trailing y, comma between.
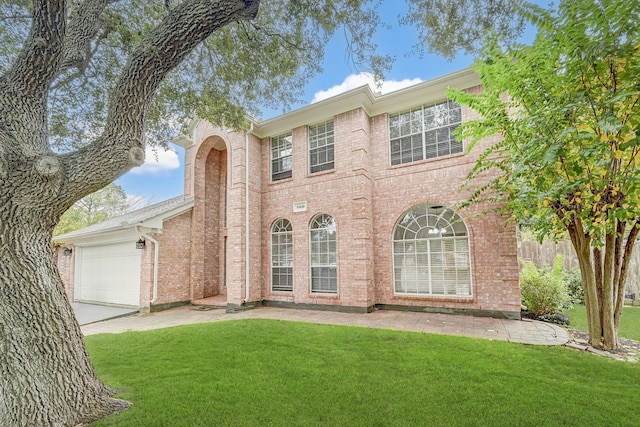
x: 321, y: 147
x: 431, y: 253
x: 324, y: 274
x: 282, y: 256
x: 424, y: 132
x: 281, y: 156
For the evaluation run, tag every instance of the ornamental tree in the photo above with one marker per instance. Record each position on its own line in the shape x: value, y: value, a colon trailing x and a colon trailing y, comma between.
x: 568, y: 108
x: 81, y: 84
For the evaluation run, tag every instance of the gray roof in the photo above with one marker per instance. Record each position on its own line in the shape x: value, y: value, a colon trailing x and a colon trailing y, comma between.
x: 132, y: 218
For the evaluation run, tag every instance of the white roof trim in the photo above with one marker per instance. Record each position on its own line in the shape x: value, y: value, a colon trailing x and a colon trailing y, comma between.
x: 426, y: 92
x: 151, y: 224
x: 362, y: 97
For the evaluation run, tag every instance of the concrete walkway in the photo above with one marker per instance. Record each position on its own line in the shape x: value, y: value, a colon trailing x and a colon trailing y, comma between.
x: 91, y: 313
x: 517, y: 331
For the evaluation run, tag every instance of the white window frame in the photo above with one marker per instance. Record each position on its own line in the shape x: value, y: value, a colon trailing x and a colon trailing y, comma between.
x: 323, y: 255
x: 321, y: 141
x: 281, y: 149
x: 428, y: 234
x: 426, y: 130
x: 282, y: 253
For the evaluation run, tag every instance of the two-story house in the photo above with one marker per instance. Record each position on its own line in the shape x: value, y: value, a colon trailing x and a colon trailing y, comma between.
x: 350, y: 204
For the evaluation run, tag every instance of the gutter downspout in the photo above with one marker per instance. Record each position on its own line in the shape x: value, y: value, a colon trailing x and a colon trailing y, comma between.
x: 246, y: 213
x: 156, y: 256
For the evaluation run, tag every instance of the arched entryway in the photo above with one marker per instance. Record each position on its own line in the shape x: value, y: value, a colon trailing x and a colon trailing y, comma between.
x: 209, y: 230
x: 215, y: 224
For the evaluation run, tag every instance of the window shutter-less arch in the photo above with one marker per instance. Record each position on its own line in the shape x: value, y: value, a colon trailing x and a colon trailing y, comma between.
x: 282, y: 256
x: 431, y: 253
x: 324, y: 273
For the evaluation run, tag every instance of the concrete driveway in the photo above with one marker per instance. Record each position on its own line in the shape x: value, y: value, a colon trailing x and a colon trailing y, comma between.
x: 91, y: 313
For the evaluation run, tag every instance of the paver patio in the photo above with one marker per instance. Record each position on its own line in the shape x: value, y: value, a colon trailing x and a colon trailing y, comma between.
x: 518, y: 331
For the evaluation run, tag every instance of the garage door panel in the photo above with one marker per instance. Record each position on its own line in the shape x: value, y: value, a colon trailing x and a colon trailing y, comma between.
x: 110, y: 274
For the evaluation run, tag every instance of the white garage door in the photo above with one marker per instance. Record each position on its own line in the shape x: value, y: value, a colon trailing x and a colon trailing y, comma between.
x: 109, y: 274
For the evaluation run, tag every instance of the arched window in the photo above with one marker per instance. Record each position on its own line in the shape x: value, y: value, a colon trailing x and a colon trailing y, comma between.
x: 431, y: 253
x: 322, y: 237
x: 282, y: 256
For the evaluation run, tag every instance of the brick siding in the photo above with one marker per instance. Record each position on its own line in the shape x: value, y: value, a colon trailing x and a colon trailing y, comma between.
x: 202, y: 252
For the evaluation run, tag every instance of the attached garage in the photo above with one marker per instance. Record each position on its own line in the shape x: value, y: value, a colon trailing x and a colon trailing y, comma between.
x: 108, y: 274
x: 106, y: 266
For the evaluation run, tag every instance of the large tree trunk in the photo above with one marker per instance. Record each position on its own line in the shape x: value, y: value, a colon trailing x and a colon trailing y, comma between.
x: 609, y: 292
x: 604, y: 274
x: 47, y: 377
x: 581, y: 244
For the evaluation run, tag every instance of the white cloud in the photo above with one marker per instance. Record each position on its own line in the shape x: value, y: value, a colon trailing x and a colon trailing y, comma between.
x: 158, y: 160
x: 356, y: 80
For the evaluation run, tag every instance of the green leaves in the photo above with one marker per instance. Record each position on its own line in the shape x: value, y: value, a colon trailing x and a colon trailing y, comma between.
x: 240, y: 69
x: 447, y: 27
x: 569, y: 118
x: 544, y: 291
x: 106, y: 203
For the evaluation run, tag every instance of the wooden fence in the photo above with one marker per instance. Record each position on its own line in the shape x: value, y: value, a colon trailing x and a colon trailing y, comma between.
x: 544, y: 254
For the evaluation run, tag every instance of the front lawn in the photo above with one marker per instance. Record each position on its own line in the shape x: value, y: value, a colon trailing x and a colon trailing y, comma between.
x: 277, y: 373
x: 629, y: 322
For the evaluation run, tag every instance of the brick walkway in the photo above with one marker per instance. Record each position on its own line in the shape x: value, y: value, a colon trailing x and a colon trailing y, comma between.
x: 525, y: 331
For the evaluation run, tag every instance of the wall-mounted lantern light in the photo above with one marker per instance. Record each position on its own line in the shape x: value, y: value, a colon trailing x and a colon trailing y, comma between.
x: 140, y: 244
x: 67, y: 251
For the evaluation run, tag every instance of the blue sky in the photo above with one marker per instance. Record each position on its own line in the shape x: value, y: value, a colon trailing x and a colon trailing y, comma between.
x: 161, y: 177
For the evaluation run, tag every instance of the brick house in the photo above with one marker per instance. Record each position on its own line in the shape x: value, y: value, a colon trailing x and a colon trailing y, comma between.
x: 346, y: 204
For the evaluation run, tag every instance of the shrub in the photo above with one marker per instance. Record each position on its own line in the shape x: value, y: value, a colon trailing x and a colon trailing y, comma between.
x: 574, y: 287
x: 544, y: 292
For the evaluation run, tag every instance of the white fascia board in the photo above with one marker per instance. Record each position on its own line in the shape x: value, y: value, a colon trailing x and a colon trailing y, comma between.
x: 187, y: 139
x: 183, y: 141
x: 427, y: 92
x: 150, y: 225
x: 361, y: 97
x: 75, y: 236
x: 156, y: 222
x: 106, y: 237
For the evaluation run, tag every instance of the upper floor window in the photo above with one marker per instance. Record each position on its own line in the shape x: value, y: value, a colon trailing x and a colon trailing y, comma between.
x: 282, y: 256
x: 431, y: 253
x: 424, y: 132
x: 281, y: 159
x: 321, y: 147
x: 324, y: 273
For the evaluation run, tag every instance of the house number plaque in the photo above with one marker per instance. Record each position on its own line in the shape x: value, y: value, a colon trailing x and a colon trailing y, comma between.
x: 300, y: 206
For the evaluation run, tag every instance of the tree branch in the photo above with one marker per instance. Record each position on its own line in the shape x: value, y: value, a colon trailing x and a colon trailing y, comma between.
x: 121, y: 145
x: 268, y: 33
x: 24, y: 87
x: 83, y: 28
x: 36, y: 66
x: 624, y: 270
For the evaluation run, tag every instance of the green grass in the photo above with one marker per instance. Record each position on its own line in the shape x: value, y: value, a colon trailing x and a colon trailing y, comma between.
x: 276, y: 373
x: 629, y: 322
